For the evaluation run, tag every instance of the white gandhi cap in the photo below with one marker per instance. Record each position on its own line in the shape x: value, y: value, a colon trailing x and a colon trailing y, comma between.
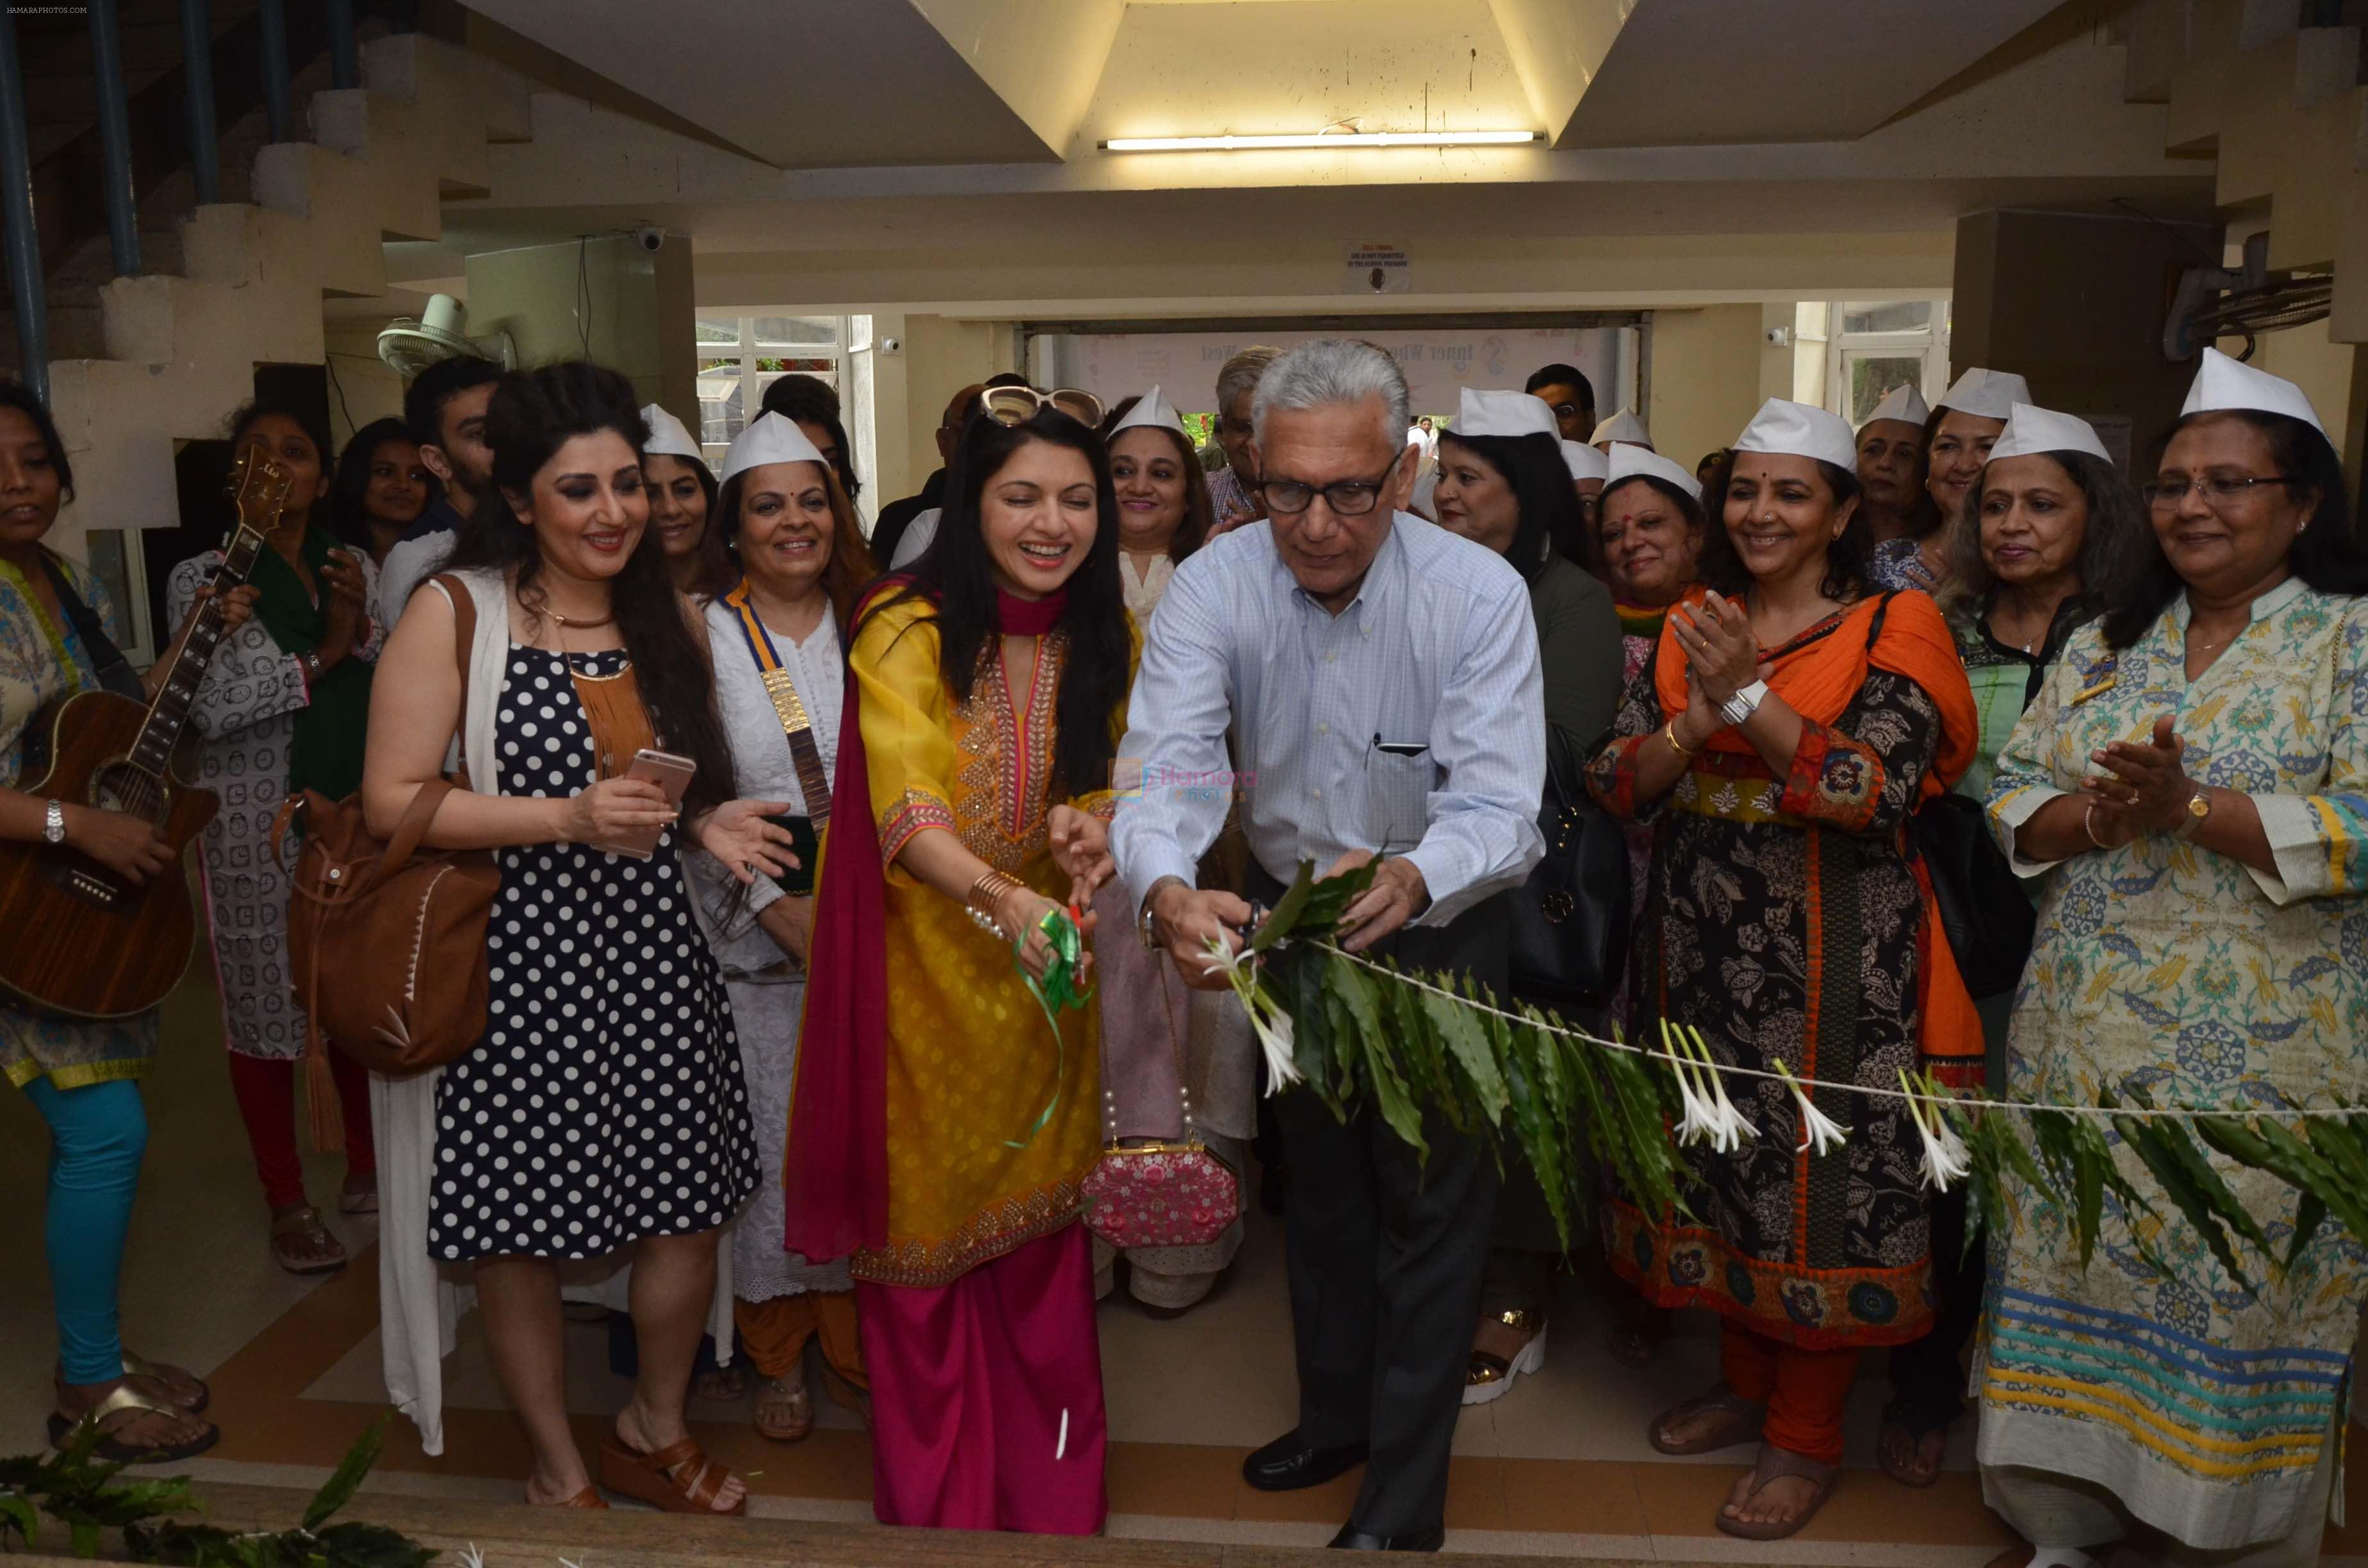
x: 1800, y: 430
x: 771, y: 439
x: 1621, y: 427
x: 1503, y: 413
x: 1987, y: 394
x: 1151, y: 409
x: 1902, y: 403
x: 2223, y: 382
x: 668, y: 436
x: 1584, y: 462
x: 1628, y: 460
x: 2031, y: 431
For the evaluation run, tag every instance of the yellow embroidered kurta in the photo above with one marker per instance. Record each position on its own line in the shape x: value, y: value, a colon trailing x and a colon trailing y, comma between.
x: 971, y: 1063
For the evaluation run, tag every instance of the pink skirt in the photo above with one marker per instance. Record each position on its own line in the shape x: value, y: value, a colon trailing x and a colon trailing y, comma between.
x: 986, y: 1395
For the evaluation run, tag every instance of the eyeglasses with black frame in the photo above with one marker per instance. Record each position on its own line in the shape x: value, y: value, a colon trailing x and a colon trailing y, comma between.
x: 1346, y: 497
x: 2218, y: 488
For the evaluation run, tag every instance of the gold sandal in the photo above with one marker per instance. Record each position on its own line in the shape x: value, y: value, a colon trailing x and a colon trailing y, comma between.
x: 1491, y: 1376
x: 125, y: 1399
x: 305, y: 1223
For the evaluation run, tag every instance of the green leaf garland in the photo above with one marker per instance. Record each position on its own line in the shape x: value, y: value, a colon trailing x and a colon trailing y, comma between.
x: 1418, y: 1046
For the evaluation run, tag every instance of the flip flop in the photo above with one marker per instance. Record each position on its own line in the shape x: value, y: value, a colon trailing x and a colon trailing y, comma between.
x: 1776, y: 1464
x: 1743, y: 1425
x: 172, y: 1379
x: 1912, y: 1433
x: 126, y: 1400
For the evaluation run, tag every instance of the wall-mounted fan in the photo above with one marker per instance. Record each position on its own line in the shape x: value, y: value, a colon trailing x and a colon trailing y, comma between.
x: 2217, y: 302
x: 410, y: 347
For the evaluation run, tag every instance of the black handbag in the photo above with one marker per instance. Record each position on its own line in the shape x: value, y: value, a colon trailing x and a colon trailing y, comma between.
x: 1571, y: 918
x: 1988, y: 920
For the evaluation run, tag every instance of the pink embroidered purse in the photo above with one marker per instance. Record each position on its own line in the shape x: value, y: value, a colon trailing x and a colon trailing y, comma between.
x: 1160, y: 1193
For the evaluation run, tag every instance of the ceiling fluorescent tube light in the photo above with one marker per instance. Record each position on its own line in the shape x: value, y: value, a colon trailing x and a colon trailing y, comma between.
x: 1318, y: 141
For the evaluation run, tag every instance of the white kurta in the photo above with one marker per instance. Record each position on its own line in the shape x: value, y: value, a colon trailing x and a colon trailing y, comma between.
x: 246, y: 710
x: 768, y: 996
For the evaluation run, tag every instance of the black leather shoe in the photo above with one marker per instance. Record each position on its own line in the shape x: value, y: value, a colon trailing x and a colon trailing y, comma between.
x: 1351, y: 1538
x: 1287, y: 1464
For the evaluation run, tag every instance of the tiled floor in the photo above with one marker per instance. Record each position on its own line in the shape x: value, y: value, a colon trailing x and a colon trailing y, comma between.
x: 1560, y: 1466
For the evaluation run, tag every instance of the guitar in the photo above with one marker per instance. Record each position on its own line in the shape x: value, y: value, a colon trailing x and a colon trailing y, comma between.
x: 83, y: 943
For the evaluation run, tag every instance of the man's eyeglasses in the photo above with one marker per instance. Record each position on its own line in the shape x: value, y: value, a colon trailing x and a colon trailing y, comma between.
x: 1018, y: 405
x: 2218, y: 489
x: 1348, y: 498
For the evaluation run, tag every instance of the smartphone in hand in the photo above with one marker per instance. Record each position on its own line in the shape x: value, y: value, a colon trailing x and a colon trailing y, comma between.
x: 668, y: 772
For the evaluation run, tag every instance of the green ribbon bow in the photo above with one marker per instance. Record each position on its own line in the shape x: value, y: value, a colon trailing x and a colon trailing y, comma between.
x: 1056, y: 993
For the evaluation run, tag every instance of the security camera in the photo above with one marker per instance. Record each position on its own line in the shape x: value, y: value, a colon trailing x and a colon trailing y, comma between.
x: 891, y: 346
x: 651, y: 237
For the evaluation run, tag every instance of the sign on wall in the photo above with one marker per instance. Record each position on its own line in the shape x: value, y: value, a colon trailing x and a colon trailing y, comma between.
x: 1438, y: 364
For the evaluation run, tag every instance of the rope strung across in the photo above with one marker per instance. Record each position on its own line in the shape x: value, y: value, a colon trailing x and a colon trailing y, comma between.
x: 1570, y: 1103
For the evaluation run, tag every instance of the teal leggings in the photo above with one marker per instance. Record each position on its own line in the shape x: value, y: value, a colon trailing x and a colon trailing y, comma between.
x: 97, y: 1134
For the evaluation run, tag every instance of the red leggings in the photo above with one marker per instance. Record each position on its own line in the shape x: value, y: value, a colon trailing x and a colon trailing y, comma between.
x: 266, y: 1088
x: 1805, y: 1390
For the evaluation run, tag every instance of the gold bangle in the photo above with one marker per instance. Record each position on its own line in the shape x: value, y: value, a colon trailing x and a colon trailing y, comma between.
x: 1669, y: 733
x: 990, y: 889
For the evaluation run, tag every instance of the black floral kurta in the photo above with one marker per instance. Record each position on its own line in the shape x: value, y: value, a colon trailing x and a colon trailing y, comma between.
x: 1782, y: 921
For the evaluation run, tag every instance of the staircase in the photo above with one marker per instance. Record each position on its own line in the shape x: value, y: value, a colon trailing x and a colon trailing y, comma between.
x: 140, y: 364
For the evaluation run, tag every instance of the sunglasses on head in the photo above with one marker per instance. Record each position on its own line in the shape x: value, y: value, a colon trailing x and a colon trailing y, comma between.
x: 1018, y: 405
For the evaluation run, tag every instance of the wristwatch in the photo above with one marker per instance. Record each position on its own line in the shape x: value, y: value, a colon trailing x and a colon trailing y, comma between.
x: 312, y: 663
x: 1745, y: 702
x: 2198, y: 806
x: 54, y: 823
x: 1146, y: 924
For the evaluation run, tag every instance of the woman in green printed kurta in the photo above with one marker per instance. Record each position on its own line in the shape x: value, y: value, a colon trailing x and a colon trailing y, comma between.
x: 58, y: 636
x: 2194, y: 778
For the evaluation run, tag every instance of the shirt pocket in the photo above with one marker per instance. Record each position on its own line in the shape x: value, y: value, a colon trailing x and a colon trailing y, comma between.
x: 1397, y: 798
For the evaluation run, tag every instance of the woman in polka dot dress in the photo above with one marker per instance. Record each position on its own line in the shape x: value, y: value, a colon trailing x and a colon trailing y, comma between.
x: 605, y: 1108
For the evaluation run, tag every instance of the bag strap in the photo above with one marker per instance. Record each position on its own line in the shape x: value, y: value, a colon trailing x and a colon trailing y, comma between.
x: 465, y: 648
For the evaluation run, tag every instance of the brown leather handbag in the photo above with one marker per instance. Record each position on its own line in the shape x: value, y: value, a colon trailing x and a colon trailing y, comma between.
x: 388, y: 942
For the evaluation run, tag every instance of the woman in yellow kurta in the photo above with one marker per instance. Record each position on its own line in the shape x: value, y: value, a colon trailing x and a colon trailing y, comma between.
x: 942, y: 1125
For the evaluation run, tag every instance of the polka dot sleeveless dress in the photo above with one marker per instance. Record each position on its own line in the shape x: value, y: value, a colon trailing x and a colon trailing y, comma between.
x: 605, y: 1103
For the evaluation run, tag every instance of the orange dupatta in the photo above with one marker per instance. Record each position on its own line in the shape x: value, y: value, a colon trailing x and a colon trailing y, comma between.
x: 1817, y: 680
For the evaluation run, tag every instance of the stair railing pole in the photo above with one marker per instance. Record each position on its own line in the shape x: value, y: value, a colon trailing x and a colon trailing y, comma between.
x: 198, y: 75
x: 273, y: 14
x: 345, y: 60
x: 114, y: 137
x: 16, y: 209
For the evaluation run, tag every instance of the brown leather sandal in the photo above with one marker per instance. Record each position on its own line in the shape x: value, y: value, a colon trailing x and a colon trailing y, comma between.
x: 1777, y: 1464
x: 588, y: 1498
x: 1742, y: 1425
x: 676, y: 1479
x: 327, y: 1253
